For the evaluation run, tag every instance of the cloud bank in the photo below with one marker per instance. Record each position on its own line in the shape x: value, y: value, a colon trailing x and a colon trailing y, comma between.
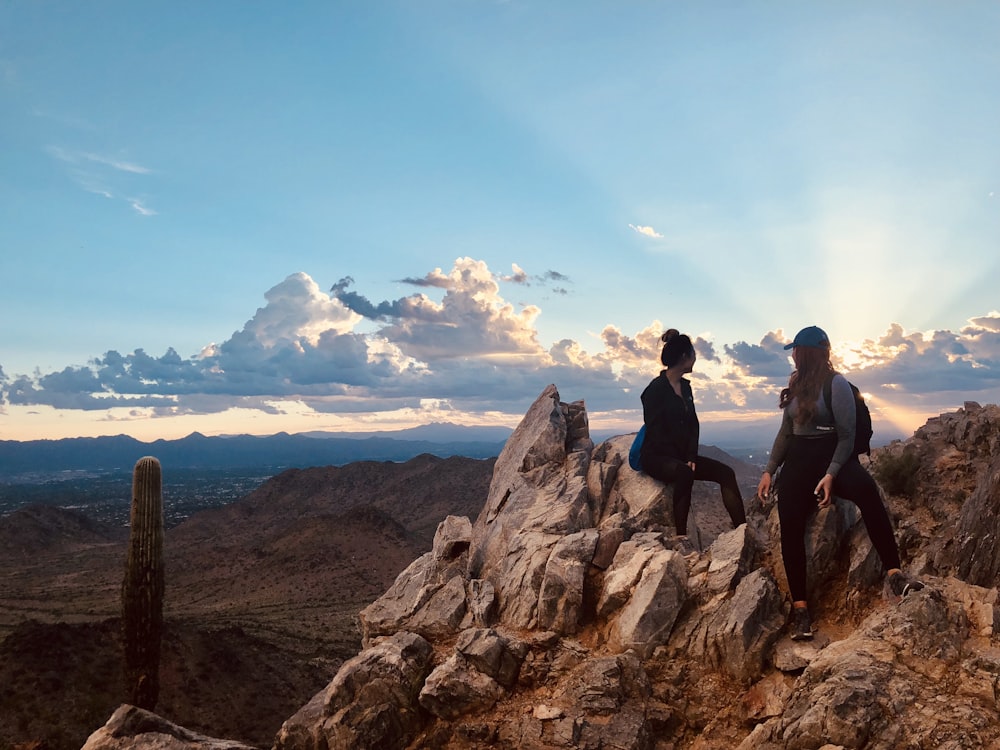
x: 458, y: 345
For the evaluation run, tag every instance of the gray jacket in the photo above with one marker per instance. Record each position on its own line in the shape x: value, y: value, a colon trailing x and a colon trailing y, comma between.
x: 840, y: 417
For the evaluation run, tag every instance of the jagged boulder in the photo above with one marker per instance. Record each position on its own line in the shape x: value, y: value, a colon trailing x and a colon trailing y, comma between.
x: 560, y: 596
x: 949, y: 517
x: 133, y: 728
x: 484, y: 666
x: 429, y: 597
x: 645, y: 589
x: 536, y: 498
x: 978, y: 534
x: 371, y: 704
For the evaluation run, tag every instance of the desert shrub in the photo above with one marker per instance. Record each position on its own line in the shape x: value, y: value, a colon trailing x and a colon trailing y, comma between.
x: 897, y: 472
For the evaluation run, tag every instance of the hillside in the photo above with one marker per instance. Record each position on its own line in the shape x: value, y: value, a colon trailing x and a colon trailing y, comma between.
x: 262, y: 596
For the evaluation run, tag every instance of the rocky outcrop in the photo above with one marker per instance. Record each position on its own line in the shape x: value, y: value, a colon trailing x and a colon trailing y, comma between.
x: 567, y: 615
x: 371, y: 703
x: 133, y: 728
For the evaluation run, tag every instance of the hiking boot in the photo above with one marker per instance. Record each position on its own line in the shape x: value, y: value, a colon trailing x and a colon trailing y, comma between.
x: 683, y: 544
x: 901, y: 584
x: 801, y: 624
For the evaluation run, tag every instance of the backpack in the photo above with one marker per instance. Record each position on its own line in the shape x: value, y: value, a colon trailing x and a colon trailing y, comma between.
x: 635, y: 452
x: 862, y: 417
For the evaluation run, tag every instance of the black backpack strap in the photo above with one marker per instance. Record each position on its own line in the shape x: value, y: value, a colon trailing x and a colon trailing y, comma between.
x: 828, y: 394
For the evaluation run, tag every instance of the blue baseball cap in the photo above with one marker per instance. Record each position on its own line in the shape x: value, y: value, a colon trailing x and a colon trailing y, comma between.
x: 811, y: 336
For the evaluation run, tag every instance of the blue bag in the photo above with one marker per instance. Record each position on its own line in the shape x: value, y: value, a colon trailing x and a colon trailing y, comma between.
x: 634, y: 454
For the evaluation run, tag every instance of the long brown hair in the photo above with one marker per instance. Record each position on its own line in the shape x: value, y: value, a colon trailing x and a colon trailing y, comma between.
x: 812, y: 369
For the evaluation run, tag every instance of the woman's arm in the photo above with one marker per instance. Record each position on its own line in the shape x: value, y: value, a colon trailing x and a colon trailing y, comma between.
x: 777, y: 455
x: 845, y: 419
x: 780, y: 446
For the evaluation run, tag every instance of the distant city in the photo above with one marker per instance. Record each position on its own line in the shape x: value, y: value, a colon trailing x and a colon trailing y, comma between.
x: 93, y: 475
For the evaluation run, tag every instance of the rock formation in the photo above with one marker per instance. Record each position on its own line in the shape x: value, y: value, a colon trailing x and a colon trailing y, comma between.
x: 567, y: 616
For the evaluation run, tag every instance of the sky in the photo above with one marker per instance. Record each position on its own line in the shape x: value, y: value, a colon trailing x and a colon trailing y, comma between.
x: 256, y: 217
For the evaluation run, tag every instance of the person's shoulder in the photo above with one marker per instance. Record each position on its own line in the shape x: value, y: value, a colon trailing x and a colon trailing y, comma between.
x: 839, y: 382
x: 655, y: 384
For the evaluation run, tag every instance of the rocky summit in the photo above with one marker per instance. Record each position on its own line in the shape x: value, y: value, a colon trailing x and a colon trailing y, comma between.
x: 568, y: 615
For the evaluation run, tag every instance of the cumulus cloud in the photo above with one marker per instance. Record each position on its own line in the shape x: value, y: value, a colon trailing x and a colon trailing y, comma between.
x: 768, y: 359
x: 988, y: 322
x: 298, y: 311
x: 471, y: 320
x: 935, y: 361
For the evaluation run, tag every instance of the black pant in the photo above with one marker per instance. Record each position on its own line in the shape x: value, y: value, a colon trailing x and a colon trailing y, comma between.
x: 807, y: 461
x: 678, y: 473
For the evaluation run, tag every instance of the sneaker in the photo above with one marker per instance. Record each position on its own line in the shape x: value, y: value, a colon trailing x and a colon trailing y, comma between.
x: 900, y: 584
x: 801, y: 624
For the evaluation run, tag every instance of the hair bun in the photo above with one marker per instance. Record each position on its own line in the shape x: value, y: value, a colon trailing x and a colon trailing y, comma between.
x: 669, y: 335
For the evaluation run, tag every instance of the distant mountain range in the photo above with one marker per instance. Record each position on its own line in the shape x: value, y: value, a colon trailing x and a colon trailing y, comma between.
x: 273, y: 452
x: 26, y: 460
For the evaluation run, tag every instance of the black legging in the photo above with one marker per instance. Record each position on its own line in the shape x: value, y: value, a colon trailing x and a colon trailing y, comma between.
x: 706, y: 469
x: 805, y: 464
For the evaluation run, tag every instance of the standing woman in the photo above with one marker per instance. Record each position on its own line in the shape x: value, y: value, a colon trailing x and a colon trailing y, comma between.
x: 815, y: 447
x: 670, y: 449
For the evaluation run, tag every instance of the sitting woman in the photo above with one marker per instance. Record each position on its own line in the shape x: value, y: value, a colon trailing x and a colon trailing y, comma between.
x: 670, y: 448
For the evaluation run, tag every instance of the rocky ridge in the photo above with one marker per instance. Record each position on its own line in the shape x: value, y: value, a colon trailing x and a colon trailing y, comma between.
x: 568, y: 616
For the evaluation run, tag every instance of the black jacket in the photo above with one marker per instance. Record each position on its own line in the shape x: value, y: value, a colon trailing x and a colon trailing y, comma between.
x: 672, y: 428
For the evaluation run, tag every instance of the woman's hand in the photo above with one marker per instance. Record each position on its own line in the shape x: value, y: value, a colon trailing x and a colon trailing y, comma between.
x: 824, y: 491
x: 691, y: 465
x: 764, y: 487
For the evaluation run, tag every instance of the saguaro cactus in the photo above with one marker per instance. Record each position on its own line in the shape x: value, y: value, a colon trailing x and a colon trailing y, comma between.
x: 142, y: 589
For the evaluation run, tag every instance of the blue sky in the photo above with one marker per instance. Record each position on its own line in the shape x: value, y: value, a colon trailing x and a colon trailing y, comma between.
x: 253, y: 217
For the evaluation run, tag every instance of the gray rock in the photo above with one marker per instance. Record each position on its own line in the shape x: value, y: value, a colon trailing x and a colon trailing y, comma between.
x: 560, y: 599
x: 133, y: 728
x: 452, y: 538
x: 626, y: 569
x: 417, y: 587
x: 647, y: 617
x: 455, y: 688
x: 732, y: 556
x: 978, y: 531
x: 482, y: 603
x: 745, y: 628
x: 371, y: 704
x: 492, y: 654
x: 442, y: 614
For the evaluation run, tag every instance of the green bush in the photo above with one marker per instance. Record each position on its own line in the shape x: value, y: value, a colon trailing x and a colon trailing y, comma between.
x: 897, y: 472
